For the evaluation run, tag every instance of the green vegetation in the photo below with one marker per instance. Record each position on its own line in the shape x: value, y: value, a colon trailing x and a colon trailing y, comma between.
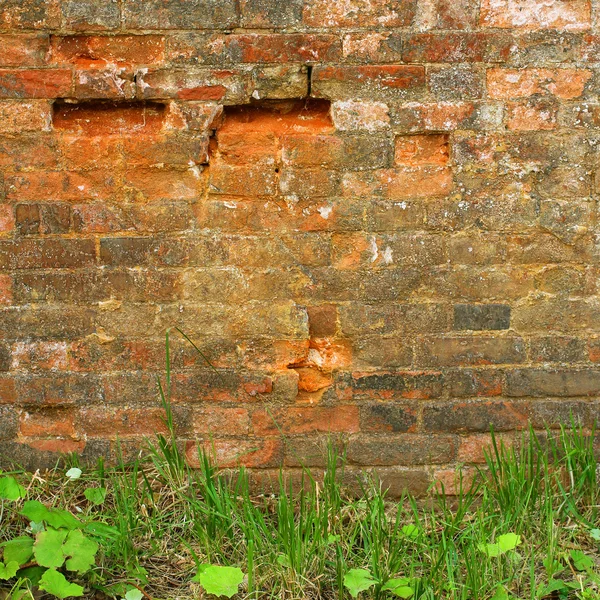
x: 155, y: 528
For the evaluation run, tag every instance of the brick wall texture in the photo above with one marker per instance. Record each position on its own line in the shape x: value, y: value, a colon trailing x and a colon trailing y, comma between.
x: 378, y: 219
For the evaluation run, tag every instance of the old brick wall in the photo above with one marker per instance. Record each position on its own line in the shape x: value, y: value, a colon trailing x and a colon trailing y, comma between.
x: 376, y: 218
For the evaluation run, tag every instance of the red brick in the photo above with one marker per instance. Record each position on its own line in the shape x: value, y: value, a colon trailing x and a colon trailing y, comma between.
x: 514, y: 83
x: 399, y: 183
x: 7, y: 218
x: 303, y: 420
x: 422, y: 150
x: 229, y: 453
x: 112, y: 83
x: 8, y: 390
x: 162, y: 184
x: 25, y: 50
x: 456, y: 47
x: 396, y: 77
x: 531, y: 116
x: 359, y: 13
x: 46, y: 253
x: 574, y: 15
x: 54, y: 422
x: 108, y: 424
x: 96, y: 51
x: 35, y: 83
x: 17, y: 117
x: 58, y: 446
x: 39, y: 355
x: 106, y: 118
x: 99, y: 184
x: 221, y: 421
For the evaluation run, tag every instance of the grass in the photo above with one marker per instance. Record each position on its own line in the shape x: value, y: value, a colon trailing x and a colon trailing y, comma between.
x: 527, y: 529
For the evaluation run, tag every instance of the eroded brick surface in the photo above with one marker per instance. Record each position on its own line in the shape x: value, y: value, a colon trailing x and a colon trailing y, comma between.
x: 377, y: 220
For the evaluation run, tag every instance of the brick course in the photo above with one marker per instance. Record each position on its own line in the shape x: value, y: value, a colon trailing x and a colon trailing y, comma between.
x: 377, y: 220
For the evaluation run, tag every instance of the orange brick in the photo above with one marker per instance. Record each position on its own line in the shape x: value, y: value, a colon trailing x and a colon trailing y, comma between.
x: 306, y: 419
x: 422, y: 150
x: 55, y: 422
x: 521, y: 83
x: 229, y: 453
x: 574, y: 15
x: 98, y: 51
x: 35, y: 83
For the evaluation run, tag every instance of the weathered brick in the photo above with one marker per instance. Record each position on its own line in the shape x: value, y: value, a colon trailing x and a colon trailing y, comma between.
x: 359, y: 13
x: 385, y: 416
x: 236, y: 452
x: 96, y: 51
x: 463, y: 351
x: 514, y: 83
x: 267, y: 13
x: 402, y: 449
x: 25, y: 50
x: 416, y: 385
x: 47, y: 253
x: 57, y: 185
x: 360, y: 115
x: 456, y: 47
x: 536, y: 14
x: 474, y: 416
x: 37, y: 14
x: 214, y: 49
x: 303, y: 420
x: 180, y: 14
x: 552, y: 382
x: 90, y: 15
x: 481, y: 316
x: 17, y: 117
x: 372, y: 47
x: 456, y: 82
x: 475, y: 383
x: 371, y: 81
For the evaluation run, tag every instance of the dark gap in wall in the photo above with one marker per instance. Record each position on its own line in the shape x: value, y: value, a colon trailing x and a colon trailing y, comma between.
x: 98, y: 117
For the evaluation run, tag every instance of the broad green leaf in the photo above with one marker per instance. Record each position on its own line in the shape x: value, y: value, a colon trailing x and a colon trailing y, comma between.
x: 508, y: 542
x: 82, y: 551
x: 500, y: 593
x: 73, y: 473
x: 95, y: 495
x: 134, y: 594
x: 35, y: 511
x: 19, y: 550
x: 358, y: 580
x: 505, y: 543
x: 10, y: 489
x: 333, y: 539
x: 595, y: 534
x: 221, y: 581
x: 47, y: 548
x: 581, y: 561
x: 56, y: 584
x: 32, y: 574
x: 9, y: 570
x: 410, y: 531
x: 399, y: 587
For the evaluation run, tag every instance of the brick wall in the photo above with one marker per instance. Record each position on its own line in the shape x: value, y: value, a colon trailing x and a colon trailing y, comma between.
x: 376, y: 218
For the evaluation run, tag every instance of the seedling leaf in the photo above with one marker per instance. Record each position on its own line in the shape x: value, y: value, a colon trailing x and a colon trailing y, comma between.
x: 134, y: 594
x: 508, y: 542
x: 500, y: 593
x: 95, y: 495
x: 10, y: 489
x: 581, y: 561
x: 56, y: 584
x: 358, y: 580
x: 73, y: 473
x: 47, y: 548
x: 410, y: 531
x: 220, y: 581
x: 399, y: 587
